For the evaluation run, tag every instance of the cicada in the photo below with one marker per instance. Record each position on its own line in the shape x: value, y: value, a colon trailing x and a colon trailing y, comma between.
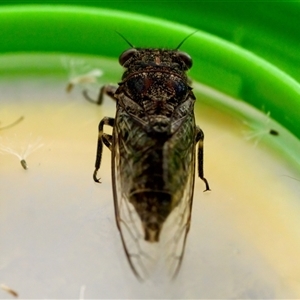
x: 153, y: 146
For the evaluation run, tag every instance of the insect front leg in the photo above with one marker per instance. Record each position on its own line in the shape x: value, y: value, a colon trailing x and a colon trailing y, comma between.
x: 199, y: 140
x: 108, y: 90
x: 105, y: 139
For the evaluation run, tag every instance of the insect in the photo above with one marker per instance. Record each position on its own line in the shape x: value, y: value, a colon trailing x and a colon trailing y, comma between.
x: 153, y: 145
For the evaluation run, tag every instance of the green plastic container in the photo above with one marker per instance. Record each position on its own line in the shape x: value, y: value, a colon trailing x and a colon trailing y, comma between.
x: 217, y: 63
x: 58, y: 237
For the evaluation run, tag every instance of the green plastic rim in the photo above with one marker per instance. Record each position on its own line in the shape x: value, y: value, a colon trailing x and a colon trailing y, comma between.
x: 217, y: 63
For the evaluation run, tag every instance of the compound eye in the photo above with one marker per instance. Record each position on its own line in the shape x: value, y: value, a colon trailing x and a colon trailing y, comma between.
x: 127, y: 54
x: 180, y: 89
x: 186, y: 59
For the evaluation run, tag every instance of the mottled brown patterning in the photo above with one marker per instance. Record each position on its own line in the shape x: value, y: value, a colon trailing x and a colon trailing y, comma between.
x: 153, y: 156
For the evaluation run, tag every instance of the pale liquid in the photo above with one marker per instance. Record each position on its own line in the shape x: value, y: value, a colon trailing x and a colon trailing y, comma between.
x: 58, y: 237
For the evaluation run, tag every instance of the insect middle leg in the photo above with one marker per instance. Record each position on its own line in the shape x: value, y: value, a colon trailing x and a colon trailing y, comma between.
x: 108, y: 90
x: 105, y: 139
x: 199, y: 140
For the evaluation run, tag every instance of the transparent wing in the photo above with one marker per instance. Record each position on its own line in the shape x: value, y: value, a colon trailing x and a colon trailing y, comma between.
x: 145, y: 257
x: 141, y: 255
x: 176, y: 227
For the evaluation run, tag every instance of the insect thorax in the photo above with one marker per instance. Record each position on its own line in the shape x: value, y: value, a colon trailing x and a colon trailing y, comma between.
x: 155, y: 94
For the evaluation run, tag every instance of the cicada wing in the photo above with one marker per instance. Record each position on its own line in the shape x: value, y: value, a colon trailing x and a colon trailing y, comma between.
x: 142, y: 255
x: 176, y: 227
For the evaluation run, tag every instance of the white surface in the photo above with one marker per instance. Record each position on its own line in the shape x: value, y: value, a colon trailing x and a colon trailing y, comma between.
x: 58, y: 237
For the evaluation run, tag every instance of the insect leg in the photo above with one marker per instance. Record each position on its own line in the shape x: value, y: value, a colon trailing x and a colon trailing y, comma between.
x: 199, y: 140
x: 108, y: 90
x: 105, y: 139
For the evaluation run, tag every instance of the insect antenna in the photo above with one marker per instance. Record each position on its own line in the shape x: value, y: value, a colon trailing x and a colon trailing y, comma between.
x: 124, y: 38
x: 180, y: 44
